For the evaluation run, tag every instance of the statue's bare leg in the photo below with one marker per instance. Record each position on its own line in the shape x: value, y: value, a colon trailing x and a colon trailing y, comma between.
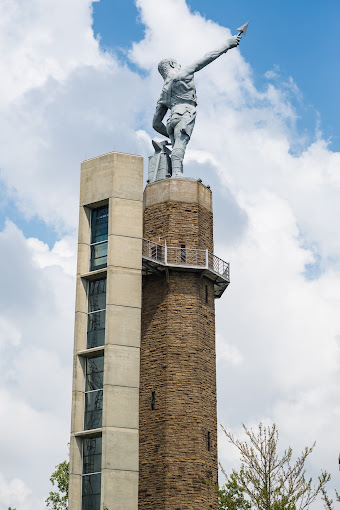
x: 181, y: 140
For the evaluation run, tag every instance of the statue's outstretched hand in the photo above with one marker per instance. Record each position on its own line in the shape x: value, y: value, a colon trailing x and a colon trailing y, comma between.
x: 234, y: 41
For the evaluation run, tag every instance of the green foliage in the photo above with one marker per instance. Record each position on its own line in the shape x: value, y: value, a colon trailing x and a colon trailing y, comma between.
x: 270, y: 481
x: 328, y: 502
x: 58, y: 500
x: 231, y: 496
x: 10, y: 508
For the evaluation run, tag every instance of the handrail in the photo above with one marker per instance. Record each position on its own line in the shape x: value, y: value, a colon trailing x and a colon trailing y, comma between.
x: 189, y: 257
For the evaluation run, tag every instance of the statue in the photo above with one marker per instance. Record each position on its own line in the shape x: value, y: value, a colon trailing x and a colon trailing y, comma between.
x: 179, y: 96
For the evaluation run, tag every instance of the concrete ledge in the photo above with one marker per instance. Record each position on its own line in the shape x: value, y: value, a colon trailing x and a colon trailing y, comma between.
x: 89, y: 433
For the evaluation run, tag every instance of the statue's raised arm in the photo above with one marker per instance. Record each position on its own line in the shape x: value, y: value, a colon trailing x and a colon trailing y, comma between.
x: 179, y: 96
x: 233, y: 42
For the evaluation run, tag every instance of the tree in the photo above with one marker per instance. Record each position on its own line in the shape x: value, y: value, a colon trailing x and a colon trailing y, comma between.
x: 231, y: 496
x: 270, y: 481
x: 58, y: 500
x: 328, y: 502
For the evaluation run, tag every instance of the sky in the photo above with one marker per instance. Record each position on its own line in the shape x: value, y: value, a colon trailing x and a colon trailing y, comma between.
x: 79, y: 79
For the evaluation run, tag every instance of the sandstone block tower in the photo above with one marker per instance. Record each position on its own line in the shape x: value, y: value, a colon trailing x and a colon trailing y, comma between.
x: 144, y: 431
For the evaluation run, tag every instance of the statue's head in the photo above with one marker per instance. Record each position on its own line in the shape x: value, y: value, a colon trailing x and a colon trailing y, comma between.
x: 167, y: 66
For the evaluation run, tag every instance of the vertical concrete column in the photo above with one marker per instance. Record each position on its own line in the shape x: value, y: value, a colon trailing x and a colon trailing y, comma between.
x: 115, y: 179
x: 178, y: 417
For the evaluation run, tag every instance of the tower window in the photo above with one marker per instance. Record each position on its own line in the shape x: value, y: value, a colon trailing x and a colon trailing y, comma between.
x: 96, y: 313
x: 153, y: 400
x: 99, y: 237
x: 183, y: 253
x: 209, y: 441
x: 94, y: 392
x: 206, y: 294
x: 91, y: 476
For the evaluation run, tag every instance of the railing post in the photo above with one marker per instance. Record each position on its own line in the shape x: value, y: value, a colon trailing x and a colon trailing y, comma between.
x: 165, y: 254
x: 206, y: 259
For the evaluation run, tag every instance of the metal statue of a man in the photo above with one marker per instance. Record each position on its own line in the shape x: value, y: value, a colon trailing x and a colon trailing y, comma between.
x: 179, y: 96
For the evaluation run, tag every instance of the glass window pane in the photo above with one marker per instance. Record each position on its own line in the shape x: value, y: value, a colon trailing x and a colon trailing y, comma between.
x: 92, y: 451
x: 94, y: 373
x: 97, y: 295
x: 91, y: 492
x: 91, y: 502
x: 96, y: 329
x: 93, y: 410
x: 99, y: 224
x: 98, y: 256
x: 91, y: 484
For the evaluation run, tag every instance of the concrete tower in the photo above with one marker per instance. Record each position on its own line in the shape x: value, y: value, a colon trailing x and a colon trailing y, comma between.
x: 104, y: 429
x: 144, y: 433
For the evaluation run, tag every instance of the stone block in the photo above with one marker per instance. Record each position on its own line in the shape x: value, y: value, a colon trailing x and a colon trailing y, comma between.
x: 84, y: 225
x: 74, y: 496
x: 83, y: 259
x: 120, y: 449
x: 80, y: 331
x: 78, y: 373
x: 127, y: 179
x: 96, y: 179
x: 121, y: 366
x: 126, y: 217
x: 124, y: 287
x: 120, y: 489
x: 113, y: 174
x: 178, y: 190
x: 81, y: 295
x: 75, y: 455
x: 123, y: 325
x: 77, y: 416
x: 125, y: 252
x: 121, y: 405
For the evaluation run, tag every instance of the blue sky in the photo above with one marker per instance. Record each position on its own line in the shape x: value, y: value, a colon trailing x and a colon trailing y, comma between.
x: 80, y: 79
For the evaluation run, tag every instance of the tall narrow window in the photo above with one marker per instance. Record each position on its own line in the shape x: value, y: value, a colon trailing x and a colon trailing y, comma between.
x: 96, y: 313
x: 209, y: 441
x: 153, y: 400
x: 92, y: 466
x: 183, y: 253
x: 206, y: 293
x: 94, y: 392
x: 99, y: 237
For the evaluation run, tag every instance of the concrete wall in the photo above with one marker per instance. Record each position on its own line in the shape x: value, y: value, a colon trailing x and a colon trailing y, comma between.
x: 116, y: 179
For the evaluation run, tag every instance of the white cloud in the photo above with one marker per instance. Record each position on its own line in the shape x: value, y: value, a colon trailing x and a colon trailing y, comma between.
x: 63, y: 254
x: 9, y: 334
x: 40, y: 41
x: 15, y: 493
x: 36, y: 343
x: 276, y: 208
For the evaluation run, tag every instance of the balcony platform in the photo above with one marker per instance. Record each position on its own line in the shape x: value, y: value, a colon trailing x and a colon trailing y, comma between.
x: 158, y: 258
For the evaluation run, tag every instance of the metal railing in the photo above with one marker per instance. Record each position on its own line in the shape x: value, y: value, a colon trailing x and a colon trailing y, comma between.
x: 189, y: 257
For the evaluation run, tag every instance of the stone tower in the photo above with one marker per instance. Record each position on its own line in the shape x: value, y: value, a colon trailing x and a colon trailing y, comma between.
x: 143, y: 432
x: 178, y: 417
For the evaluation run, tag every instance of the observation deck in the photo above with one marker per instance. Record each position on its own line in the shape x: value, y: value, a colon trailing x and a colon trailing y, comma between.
x: 158, y: 258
